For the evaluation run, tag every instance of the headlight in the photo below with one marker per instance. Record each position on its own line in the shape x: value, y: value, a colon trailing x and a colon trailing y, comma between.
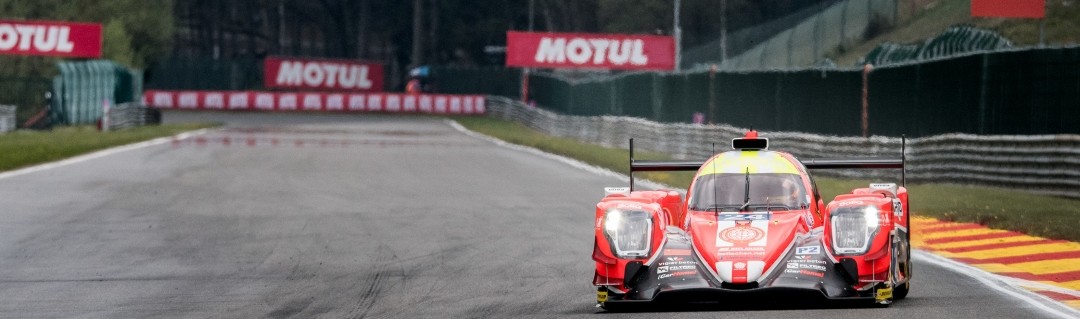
x: 628, y: 232
x: 853, y: 228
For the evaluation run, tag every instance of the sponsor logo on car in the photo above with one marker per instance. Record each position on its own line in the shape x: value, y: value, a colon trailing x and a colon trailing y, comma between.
x: 804, y: 272
x: 743, y: 217
x: 675, y: 263
x: 742, y: 234
x: 674, y: 273
x: 807, y: 259
x: 808, y: 250
x: 678, y: 252
x: 729, y: 253
x: 802, y: 265
x: 851, y: 203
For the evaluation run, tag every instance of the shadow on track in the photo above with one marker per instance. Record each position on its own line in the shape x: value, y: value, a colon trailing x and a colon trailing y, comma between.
x: 741, y: 304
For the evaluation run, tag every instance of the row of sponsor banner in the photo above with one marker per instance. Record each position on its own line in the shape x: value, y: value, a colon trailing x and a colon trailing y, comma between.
x: 50, y: 38
x: 316, y: 101
x: 322, y: 74
x: 524, y: 49
x: 590, y: 51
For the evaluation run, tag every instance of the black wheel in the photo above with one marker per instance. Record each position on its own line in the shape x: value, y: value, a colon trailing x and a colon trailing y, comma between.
x: 900, y: 291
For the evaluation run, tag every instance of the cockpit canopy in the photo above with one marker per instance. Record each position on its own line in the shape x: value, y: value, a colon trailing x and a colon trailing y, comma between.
x: 767, y: 191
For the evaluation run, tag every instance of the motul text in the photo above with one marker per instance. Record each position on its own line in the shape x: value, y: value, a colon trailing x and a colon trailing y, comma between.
x: 593, y: 51
x: 50, y: 38
x: 323, y: 74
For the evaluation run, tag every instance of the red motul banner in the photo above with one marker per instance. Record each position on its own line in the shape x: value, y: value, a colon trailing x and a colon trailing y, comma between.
x: 322, y: 74
x: 315, y: 101
x: 49, y: 38
x: 1008, y: 8
x: 590, y: 51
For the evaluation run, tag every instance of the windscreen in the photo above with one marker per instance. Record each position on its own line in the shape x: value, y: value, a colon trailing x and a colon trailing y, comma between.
x: 728, y: 192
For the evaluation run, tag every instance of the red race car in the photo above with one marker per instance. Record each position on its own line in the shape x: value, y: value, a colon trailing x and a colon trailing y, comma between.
x: 752, y: 223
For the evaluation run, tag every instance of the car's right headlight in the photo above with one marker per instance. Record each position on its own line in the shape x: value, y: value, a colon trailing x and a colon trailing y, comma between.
x: 853, y: 229
x: 628, y: 232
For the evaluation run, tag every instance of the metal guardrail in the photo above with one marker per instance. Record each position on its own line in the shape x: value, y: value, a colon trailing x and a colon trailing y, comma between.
x: 127, y: 115
x: 7, y: 118
x: 1044, y: 164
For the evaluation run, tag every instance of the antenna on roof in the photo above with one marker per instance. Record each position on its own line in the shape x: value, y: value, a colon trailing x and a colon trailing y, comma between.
x: 716, y: 187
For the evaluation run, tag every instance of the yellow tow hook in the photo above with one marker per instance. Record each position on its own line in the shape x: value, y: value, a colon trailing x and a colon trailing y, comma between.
x: 883, y: 296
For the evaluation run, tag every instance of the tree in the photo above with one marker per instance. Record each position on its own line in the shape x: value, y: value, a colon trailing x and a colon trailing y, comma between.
x: 135, y: 32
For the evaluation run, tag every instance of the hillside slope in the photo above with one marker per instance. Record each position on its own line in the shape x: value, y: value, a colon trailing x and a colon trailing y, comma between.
x: 930, y: 18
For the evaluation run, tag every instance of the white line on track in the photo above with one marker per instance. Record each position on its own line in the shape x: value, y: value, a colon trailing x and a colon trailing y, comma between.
x: 1005, y: 285
x: 101, y: 153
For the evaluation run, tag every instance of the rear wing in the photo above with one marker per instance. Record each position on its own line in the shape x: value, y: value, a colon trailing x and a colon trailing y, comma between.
x: 816, y: 163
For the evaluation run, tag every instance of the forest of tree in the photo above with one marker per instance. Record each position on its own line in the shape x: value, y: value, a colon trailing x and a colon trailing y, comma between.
x: 139, y: 33
x: 451, y: 32
x: 135, y: 32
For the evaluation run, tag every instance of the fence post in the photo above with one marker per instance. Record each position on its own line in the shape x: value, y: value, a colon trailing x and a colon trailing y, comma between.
x: 658, y: 103
x: 105, y: 105
x: 790, y: 35
x: 866, y: 99
x: 817, y: 36
x: 525, y: 86
x: 982, y: 92
x: 712, y: 94
x: 843, y: 23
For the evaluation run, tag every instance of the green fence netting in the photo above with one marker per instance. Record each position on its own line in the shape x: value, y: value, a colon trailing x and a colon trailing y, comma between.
x: 954, y: 41
x: 182, y: 73
x: 1033, y: 91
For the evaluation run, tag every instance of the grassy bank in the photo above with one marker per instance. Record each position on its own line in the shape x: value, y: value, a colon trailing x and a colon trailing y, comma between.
x: 930, y: 18
x: 24, y: 148
x: 1045, y: 216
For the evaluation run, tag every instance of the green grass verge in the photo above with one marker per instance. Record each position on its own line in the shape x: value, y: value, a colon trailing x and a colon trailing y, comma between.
x: 934, y: 17
x: 24, y: 148
x: 1045, y: 216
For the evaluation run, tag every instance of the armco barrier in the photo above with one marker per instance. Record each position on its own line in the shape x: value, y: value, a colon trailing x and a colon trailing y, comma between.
x: 315, y: 101
x: 127, y: 115
x: 1045, y: 164
x: 7, y: 118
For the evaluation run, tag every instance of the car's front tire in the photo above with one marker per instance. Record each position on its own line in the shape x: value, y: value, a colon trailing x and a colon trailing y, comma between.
x: 900, y: 291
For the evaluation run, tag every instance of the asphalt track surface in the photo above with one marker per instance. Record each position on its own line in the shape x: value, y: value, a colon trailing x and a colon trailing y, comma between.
x: 342, y: 217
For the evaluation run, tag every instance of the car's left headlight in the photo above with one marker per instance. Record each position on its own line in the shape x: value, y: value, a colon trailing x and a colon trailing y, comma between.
x: 853, y: 229
x: 628, y: 232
